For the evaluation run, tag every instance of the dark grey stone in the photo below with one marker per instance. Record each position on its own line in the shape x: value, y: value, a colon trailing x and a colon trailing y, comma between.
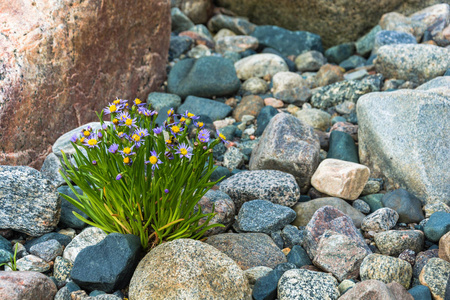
x: 219, y: 151
x: 265, y: 288
x: 264, y: 216
x: 205, y: 77
x: 157, y: 101
x: 447, y: 73
x: 298, y: 256
x: 342, y: 146
x: 180, y: 22
x: 108, y: 265
x: 339, y: 53
x: 276, y: 237
x: 364, y: 45
x: 240, y: 26
x: 179, y: 45
x: 202, y: 106
x: 229, y: 132
x: 437, y: 226
x: 338, y: 92
x: 388, y: 37
x: 68, y: 219
x: 50, y: 169
x: 63, y: 239
x: 47, y: 250
x: 35, y: 195
x: 5, y: 250
x: 263, y: 119
x: 353, y: 62
x: 420, y: 292
x: 374, y: 201
x: 287, y: 42
x: 220, y: 172
x: 292, y: 236
x: 408, y: 206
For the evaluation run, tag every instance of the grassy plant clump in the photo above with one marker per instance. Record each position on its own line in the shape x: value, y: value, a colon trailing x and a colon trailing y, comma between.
x: 12, y: 260
x: 141, y: 179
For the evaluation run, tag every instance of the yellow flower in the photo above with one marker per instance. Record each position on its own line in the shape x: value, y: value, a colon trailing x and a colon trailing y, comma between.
x: 115, y: 121
x: 126, y: 159
x: 137, y: 101
x: 153, y: 160
x: 128, y: 122
x: 112, y: 108
x: 127, y: 150
x: 175, y: 129
x: 136, y: 137
x: 86, y: 133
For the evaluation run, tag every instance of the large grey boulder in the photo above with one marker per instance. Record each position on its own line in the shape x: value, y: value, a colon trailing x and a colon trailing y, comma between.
x: 404, y: 137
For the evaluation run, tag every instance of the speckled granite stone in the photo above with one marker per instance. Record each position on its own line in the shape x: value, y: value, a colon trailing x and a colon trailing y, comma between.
x: 435, y: 275
x: 255, y: 273
x: 377, y: 290
x: 381, y: 220
x: 248, y: 250
x: 339, y: 255
x: 32, y: 263
x: 62, y: 268
x: 422, y: 259
x: 264, y: 216
x: 300, y: 284
x: 224, y: 209
x: 28, y: 201
x: 88, y: 237
x: 188, y: 269
x: 409, y: 256
x: 26, y: 285
x: 394, y: 242
x: 48, y: 250
x: 289, y: 145
x: 330, y: 218
x: 386, y: 269
x: 50, y: 169
x: 274, y: 186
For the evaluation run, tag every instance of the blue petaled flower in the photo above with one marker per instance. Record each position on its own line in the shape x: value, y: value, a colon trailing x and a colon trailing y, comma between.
x: 170, y: 112
x: 74, y: 138
x: 168, y: 154
x: 158, y: 130
x: 137, y: 136
x: 199, y: 124
x: 126, y: 120
x: 222, y: 137
x: 91, y: 142
x: 204, y: 135
x: 176, y: 130
x: 113, y: 148
x: 138, y: 102
x: 119, y: 176
x: 113, y: 108
x: 184, y: 151
x: 127, y: 151
x: 188, y: 115
x: 122, y: 135
x: 100, y: 134
x: 154, y: 160
x: 104, y: 126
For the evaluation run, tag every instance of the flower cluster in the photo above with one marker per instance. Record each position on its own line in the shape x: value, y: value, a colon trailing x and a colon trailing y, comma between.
x: 144, y: 178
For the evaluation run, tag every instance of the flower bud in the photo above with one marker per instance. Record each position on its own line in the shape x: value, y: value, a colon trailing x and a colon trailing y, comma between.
x: 119, y: 176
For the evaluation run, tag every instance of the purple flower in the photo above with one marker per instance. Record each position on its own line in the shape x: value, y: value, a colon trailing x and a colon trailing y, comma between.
x: 112, y: 108
x: 91, y: 142
x: 199, y: 124
x: 127, y: 151
x: 170, y: 112
x: 94, y: 162
x: 184, y: 151
x: 158, y: 130
x: 166, y: 191
x: 74, y: 138
x: 222, y: 137
x: 176, y: 130
x: 204, y: 135
x: 119, y: 176
x: 168, y: 154
x: 188, y: 115
x: 113, y: 148
x: 138, y: 102
x: 122, y: 135
x: 154, y: 160
x: 100, y: 134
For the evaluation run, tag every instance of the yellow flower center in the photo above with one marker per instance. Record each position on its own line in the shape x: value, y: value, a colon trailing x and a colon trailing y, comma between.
x: 153, y: 160
x: 127, y: 150
x: 136, y: 137
x: 200, y: 124
x: 82, y: 139
x: 115, y: 121
x: 126, y: 160
x: 175, y: 129
x: 222, y: 137
x: 86, y: 133
x: 112, y: 108
x: 183, y: 119
x: 128, y: 122
x: 190, y: 115
x: 170, y: 112
x: 116, y: 101
x: 168, y: 141
x: 92, y: 142
x: 183, y: 151
x: 138, y: 101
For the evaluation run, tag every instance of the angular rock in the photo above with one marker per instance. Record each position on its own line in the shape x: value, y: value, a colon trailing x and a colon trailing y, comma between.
x: 436, y: 18
x: 237, y: 25
x: 386, y: 269
x: 266, y: 286
x: 290, y: 146
x: 364, y: 44
x: 337, y: 93
x: 253, y: 274
x: 339, y: 53
x: 48, y: 250
x: 265, y: 115
x: 342, y: 146
x: 422, y: 259
x: 417, y: 63
x: 408, y: 207
x: 50, y: 169
x: 354, y: 62
x: 204, y: 77
x: 435, y: 275
x: 380, y: 220
x: 330, y: 218
x: 32, y: 263
x: 238, y: 43
x: 188, y: 269
x: 62, y: 268
x: 394, y: 242
x: 274, y: 186
x: 329, y: 74
x: 437, y: 226
x: 108, y: 265
x: 202, y: 106
x: 179, y: 45
x: 233, y: 158
x: 420, y: 122
x: 129, y: 55
x: 264, y: 216
x: 305, y: 210
x: 292, y: 236
x: 310, y: 61
x: 156, y: 101
x: 26, y: 285
x: 394, y: 21
x: 287, y: 42
x: 339, y: 255
x: 62, y: 239
x: 377, y: 290
x: 248, y: 250
x: 316, y: 118
x: 224, y: 210
x: 305, y: 284
x: 444, y: 247
x: 88, y: 237
x: 180, y: 22
x: 28, y: 201
x: 249, y: 105
x: 340, y: 178
x: 298, y: 257
x: 388, y: 37
x: 260, y: 65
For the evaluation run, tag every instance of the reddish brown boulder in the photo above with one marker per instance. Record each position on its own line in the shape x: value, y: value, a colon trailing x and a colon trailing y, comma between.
x: 26, y: 285
x: 62, y: 61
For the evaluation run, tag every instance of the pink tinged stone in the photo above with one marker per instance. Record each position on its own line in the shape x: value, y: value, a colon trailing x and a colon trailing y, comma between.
x: 340, y: 178
x: 377, y: 290
x: 26, y: 285
x: 273, y: 102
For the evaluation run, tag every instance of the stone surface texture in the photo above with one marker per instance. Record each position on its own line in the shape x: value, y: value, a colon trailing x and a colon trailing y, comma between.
x: 394, y: 242
x: 28, y: 201
x: 188, y: 269
x: 380, y: 220
x: 260, y: 65
x: 340, y: 178
x: 288, y: 145
x: 71, y: 51
x: 435, y: 275
x: 376, y: 290
x: 386, y: 269
x: 88, y: 237
x: 26, y: 285
x: 419, y: 117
